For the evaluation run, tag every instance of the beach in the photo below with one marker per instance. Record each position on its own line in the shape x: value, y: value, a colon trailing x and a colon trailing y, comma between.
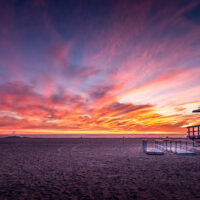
x: 81, y: 168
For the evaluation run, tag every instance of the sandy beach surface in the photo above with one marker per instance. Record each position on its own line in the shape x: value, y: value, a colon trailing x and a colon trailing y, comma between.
x: 33, y: 168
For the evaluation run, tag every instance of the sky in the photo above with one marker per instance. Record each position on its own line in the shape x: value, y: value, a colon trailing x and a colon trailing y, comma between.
x: 100, y: 66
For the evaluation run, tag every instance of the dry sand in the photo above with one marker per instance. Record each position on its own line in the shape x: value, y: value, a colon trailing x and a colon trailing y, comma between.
x: 93, y: 169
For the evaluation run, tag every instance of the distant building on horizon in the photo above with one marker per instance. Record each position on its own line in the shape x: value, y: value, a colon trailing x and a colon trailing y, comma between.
x: 14, y: 134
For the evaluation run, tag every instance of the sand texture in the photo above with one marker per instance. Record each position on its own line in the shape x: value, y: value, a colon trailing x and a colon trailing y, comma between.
x: 93, y: 169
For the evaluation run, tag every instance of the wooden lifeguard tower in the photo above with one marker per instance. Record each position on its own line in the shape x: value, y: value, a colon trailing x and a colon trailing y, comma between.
x: 194, y: 131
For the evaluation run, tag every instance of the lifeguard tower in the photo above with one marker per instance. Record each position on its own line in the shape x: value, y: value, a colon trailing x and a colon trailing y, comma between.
x: 194, y: 131
x: 179, y: 147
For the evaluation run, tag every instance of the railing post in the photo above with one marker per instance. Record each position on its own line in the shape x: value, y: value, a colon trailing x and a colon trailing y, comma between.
x: 170, y: 147
x: 175, y: 146
x: 198, y: 131
x: 193, y: 131
x: 166, y: 144
x: 193, y: 147
x: 186, y: 146
x: 188, y: 131
x: 163, y: 146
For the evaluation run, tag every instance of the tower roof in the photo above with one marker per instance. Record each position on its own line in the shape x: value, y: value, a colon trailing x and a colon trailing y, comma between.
x: 197, y: 110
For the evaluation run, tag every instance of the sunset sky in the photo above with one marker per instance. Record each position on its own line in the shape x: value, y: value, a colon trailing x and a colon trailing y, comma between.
x: 101, y: 66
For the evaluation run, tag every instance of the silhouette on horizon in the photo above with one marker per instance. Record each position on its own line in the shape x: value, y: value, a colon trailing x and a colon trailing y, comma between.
x: 197, y: 110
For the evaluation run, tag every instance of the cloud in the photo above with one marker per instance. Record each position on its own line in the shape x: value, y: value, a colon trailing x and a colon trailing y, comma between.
x: 67, y: 111
x: 158, y: 91
x: 100, y: 91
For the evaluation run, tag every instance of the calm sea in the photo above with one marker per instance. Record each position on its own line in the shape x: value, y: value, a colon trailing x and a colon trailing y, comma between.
x: 100, y: 135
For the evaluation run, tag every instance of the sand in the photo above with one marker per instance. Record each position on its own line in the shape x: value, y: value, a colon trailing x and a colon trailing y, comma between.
x: 93, y: 169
